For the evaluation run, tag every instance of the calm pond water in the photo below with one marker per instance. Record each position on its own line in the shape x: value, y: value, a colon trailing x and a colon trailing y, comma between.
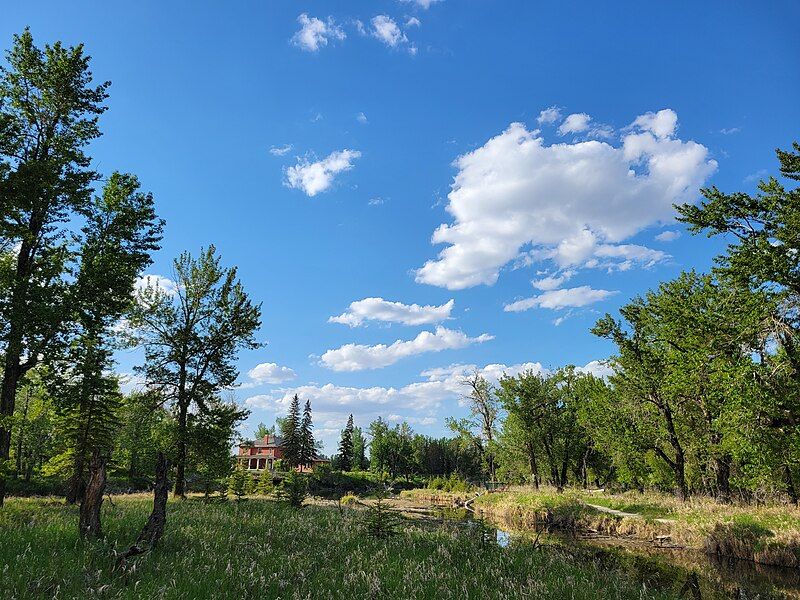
x: 692, y: 571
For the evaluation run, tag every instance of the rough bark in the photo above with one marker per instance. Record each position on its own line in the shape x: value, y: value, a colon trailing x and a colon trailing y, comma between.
x: 180, y: 472
x: 154, y: 528
x: 791, y: 490
x: 89, y: 524
x: 723, y: 469
x: 533, y: 465
x: 76, y: 486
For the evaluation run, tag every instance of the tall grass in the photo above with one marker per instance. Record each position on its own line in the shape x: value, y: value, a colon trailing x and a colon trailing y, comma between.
x: 767, y: 535
x: 262, y: 549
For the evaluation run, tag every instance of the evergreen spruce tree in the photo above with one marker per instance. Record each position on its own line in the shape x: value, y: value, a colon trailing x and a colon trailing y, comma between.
x: 346, y: 446
x: 290, y: 432
x: 306, y: 437
x: 265, y: 487
x: 239, y: 483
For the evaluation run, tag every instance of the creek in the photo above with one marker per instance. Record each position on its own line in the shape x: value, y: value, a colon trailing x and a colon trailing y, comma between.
x: 695, y: 573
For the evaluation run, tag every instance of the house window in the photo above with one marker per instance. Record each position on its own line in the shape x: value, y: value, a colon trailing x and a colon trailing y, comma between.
x: 262, y: 462
x: 253, y: 464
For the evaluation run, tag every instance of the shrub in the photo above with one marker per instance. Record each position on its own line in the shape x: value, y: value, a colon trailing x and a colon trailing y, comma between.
x: 382, y: 521
x: 293, y: 489
x: 265, y: 487
x: 349, y: 499
x: 240, y: 483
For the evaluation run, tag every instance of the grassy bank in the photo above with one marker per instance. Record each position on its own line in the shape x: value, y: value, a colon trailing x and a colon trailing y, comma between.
x: 259, y: 548
x: 764, y: 534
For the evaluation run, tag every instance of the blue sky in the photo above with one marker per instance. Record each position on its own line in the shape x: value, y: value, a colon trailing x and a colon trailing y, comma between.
x: 320, y: 145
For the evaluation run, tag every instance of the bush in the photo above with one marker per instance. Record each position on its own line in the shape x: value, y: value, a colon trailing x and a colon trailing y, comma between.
x: 240, y: 483
x: 349, y: 499
x: 265, y: 486
x: 454, y: 483
x: 293, y: 489
x: 382, y: 521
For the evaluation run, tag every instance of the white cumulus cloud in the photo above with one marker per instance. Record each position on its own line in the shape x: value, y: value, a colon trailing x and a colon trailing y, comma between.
x: 315, y: 177
x: 575, y: 123
x: 599, y: 368
x: 378, y: 309
x: 423, y: 4
x: 269, y: 373
x: 517, y: 197
x: 557, y: 299
x: 314, y: 33
x: 549, y: 115
x: 668, y: 236
x: 357, y: 357
x: 386, y: 30
x: 552, y: 282
x: 165, y: 284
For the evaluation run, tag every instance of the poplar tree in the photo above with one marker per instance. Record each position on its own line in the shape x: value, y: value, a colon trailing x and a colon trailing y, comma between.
x: 191, y: 337
x: 763, y: 253
x: 49, y: 112
x: 359, y: 449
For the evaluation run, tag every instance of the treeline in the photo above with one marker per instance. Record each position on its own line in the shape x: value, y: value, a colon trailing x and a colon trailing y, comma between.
x: 704, y: 391
x: 73, y: 246
x: 398, y: 452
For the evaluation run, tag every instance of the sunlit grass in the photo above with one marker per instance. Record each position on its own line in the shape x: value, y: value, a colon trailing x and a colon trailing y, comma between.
x: 259, y: 548
x: 767, y: 534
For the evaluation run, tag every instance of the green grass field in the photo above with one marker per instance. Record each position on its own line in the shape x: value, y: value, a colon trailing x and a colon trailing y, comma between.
x: 259, y: 548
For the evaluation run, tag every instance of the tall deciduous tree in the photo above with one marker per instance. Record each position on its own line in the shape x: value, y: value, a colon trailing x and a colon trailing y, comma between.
x: 192, y: 338
x: 359, y: 450
x: 48, y: 114
x: 764, y: 253
x: 120, y: 233
x: 483, y: 406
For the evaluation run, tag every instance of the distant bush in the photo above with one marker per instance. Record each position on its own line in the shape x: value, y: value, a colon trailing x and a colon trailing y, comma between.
x: 349, y: 499
x: 293, y: 489
x: 240, y: 483
x: 454, y: 483
x: 265, y: 486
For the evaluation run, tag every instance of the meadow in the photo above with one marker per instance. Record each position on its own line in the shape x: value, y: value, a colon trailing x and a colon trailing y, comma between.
x: 262, y: 548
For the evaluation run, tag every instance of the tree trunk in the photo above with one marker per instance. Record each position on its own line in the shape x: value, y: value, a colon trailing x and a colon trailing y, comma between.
x: 11, y: 376
x: 791, y: 490
x: 679, y: 464
x: 76, y: 490
x: 533, y: 465
x: 180, y: 474
x: 681, y: 489
x: 154, y: 528
x: 89, y: 524
x: 723, y: 468
x: 21, y: 434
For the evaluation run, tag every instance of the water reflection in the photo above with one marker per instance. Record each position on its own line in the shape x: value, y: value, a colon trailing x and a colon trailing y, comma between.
x: 689, y: 572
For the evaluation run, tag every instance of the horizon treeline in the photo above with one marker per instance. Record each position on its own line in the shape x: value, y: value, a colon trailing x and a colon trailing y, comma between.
x: 704, y: 395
